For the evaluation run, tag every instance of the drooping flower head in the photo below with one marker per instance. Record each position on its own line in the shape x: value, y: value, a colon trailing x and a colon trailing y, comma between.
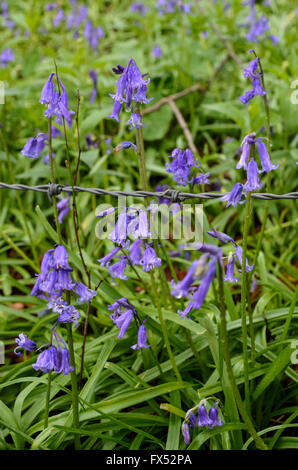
x: 234, y: 196
x: 181, y: 166
x: 24, y: 342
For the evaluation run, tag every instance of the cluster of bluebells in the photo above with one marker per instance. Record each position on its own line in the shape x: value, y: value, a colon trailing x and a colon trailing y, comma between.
x: 122, y: 316
x: 131, y: 88
x: 6, y: 57
x: 50, y: 285
x: 181, y: 166
x: 202, y: 270
x: 252, y: 73
x: 56, y: 106
x: 224, y: 239
x: 139, y: 7
x: 172, y: 6
x: 249, y: 164
x: 257, y: 26
x: 8, y: 22
x: 130, y: 223
x: 204, y: 418
x: 77, y: 17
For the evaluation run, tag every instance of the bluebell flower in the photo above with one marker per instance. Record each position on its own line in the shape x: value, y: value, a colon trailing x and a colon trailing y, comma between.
x: 196, y: 271
x: 234, y: 197
x: 117, y: 269
x: 183, y: 162
x: 230, y: 270
x: 47, y: 360
x: 203, y: 419
x: 184, y: 313
x: 265, y: 158
x: 63, y: 208
x: 6, y: 56
x: 222, y: 237
x: 58, y: 18
x: 253, y: 183
x: 51, y: 6
x: 60, y: 259
x: 139, y: 225
x: 131, y: 86
x: 93, y: 35
x: 85, y: 294
x: 247, y: 142
x: 149, y: 259
x: 134, y: 121
x: 119, y: 233
x: 57, y: 104
x: 214, y: 419
x: 109, y: 256
x: 200, y: 294
x: 252, y: 73
x: 125, y: 145
x: 24, y: 342
x: 185, y: 432
x: 156, y: 52
x: 69, y: 315
x: 202, y: 178
x: 139, y: 7
x: 123, y: 321
x: 190, y: 416
x: 135, y: 252
x: 142, y: 338
x: 239, y: 256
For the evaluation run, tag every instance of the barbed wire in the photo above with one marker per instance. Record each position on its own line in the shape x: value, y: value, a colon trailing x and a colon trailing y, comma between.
x: 171, y: 194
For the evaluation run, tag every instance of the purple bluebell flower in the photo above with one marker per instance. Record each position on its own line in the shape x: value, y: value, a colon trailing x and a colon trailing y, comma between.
x: 24, y: 342
x: 46, y: 158
x: 51, y: 6
x: 200, y: 294
x: 139, y: 225
x: 149, y: 259
x: 139, y: 7
x: 142, y: 338
x: 184, y: 313
x: 274, y: 39
x: 91, y: 142
x: 85, y: 294
x: 123, y: 320
x: 69, y: 315
x: 185, y: 432
x: 62, y: 363
x: 135, y: 252
x: 109, y: 256
x: 253, y: 183
x: 265, y: 158
x: 117, y: 269
x: 214, y: 419
x: 4, y: 9
x: 60, y: 259
x: 252, y: 73
x: 6, y: 56
x: 134, y: 121
x: 239, y: 252
x: 234, y: 197
x: 183, y: 162
x: 63, y: 208
x: 33, y: 147
x: 130, y: 87
x: 196, y: 271
x: 190, y: 416
x: 202, y: 178
x: 222, y: 237
x: 58, y: 18
x: 119, y: 233
x: 125, y: 145
x: 93, y: 35
x: 57, y: 104
x: 47, y: 360
x: 203, y: 419
x: 156, y: 52
x: 230, y: 270
x: 247, y: 142
x: 258, y: 28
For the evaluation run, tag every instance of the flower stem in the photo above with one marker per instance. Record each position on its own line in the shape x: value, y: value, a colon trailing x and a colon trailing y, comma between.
x: 74, y: 385
x: 48, y: 396
x: 243, y: 300
x: 224, y: 332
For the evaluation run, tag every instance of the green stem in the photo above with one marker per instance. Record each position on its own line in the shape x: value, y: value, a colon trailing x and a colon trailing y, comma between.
x: 289, y: 316
x: 74, y: 385
x: 48, y: 396
x: 53, y: 179
x: 224, y: 332
x: 243, y: 300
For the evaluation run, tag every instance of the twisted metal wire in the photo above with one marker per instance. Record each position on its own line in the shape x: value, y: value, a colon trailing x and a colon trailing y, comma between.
x: 171, y: 194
